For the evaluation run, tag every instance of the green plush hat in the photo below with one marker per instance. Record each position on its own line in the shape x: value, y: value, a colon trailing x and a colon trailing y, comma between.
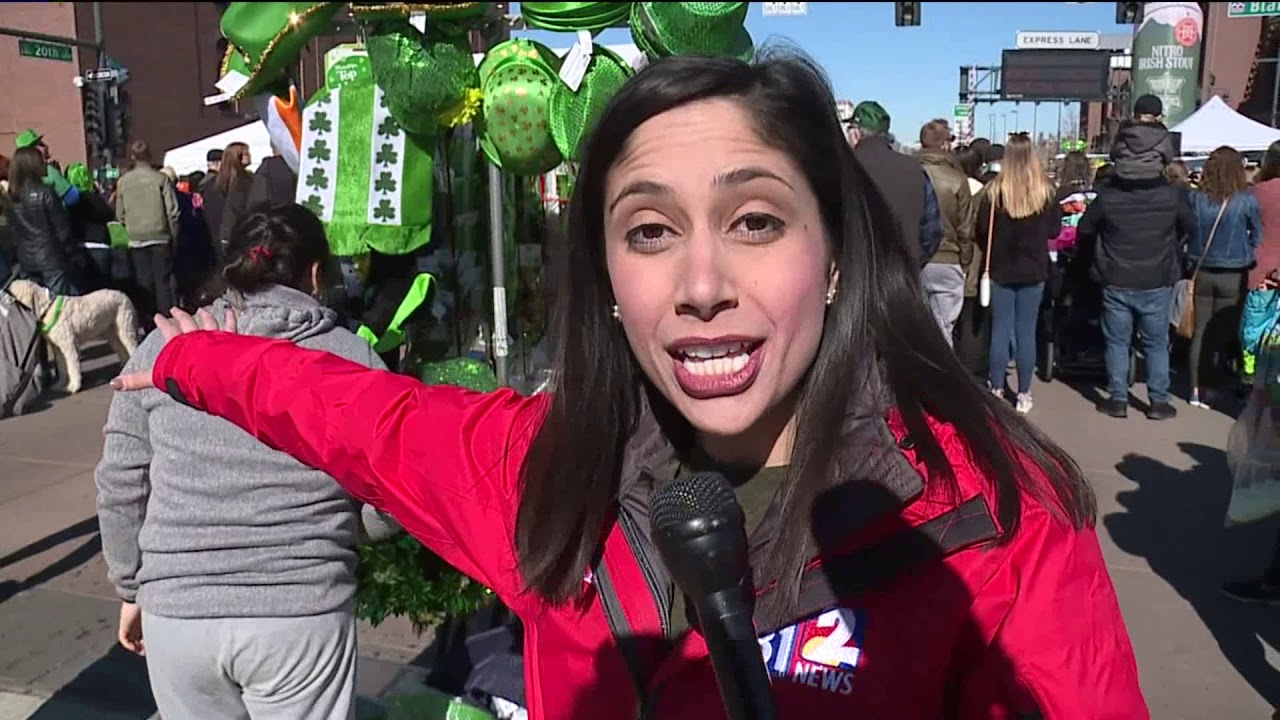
x: 574, y: 16
x: 574, y: 114
x: 445, y: 18
x: 78, y: 174
x: 517, y: 85
x: 869, y: 115
x: 663, y: 29
x: 28, y: 138
x: 265, y: 38
x: 430, y: 83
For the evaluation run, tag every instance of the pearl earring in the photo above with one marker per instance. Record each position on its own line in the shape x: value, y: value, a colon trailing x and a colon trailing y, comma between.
x: 615, y: 312
x: 831, y: 295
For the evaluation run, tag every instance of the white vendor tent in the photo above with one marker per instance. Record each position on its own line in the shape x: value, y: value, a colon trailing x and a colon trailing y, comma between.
x: 191, y: 157
x: 1215, y: 124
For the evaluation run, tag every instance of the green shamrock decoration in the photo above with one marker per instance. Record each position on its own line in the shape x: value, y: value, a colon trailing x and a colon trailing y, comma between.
x: 314, y: 204
x: 385, y: 183
x: 386, y: 155
x: 384, y: 211
x: 319, y: 150
x: 388, y: 127
x: 320, y: 123
x: 317, y: 179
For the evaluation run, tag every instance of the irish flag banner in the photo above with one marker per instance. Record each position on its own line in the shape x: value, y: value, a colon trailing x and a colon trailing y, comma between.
x: 362, y: 175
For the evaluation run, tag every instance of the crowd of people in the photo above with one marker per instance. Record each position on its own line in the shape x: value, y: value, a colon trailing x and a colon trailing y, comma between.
x: 151, y: 233
x: 1099, y: 256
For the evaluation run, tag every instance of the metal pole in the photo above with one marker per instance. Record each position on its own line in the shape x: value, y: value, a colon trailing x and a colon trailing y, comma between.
x: 1060, y: 106
x: 1035, y: 122
x: 108, y: 152
x: 98, y: 34
x: 43, y: 37
x: 498, y: 249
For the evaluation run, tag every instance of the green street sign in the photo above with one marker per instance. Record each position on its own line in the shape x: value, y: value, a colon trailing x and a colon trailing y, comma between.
x: 50, y: 51
x: 960, y: 111
x: 1252, y: 9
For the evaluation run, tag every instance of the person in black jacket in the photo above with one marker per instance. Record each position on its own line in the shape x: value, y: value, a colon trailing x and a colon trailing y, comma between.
x: 40, y: 225
x: 1130, y: 237
x: 273, y: 183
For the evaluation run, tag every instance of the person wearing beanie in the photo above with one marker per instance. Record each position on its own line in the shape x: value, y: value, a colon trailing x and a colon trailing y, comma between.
x: 1143, y: 148
x: 900, y: 180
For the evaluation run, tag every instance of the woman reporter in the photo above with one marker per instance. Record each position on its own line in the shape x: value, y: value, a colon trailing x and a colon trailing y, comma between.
x: 739, y: 301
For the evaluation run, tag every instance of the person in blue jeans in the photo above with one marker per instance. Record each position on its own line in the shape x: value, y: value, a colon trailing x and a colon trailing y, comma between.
x: 1020, y: 202
x: 1129, y: 238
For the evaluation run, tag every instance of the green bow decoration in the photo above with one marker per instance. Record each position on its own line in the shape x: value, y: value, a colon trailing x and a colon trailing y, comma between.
x: 574, y: 114
x: 264, y: 39
x: 518, y: 78
x: 575, y: 16
x: 663, y: 29
x: 394, y: 335
x: 430, y: 83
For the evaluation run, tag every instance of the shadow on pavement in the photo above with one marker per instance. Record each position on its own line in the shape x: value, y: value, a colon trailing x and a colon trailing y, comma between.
x: 1174, y: 519
x: 82, y: 554
x: 115, y: 686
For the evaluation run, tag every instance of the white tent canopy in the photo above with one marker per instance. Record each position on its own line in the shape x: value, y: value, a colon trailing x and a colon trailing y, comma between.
x: 191, y: 157
x: 1215, y: 124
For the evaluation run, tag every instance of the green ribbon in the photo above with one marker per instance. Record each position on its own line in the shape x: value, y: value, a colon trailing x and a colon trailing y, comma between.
x: 57, y: 313
x: 394, y: 336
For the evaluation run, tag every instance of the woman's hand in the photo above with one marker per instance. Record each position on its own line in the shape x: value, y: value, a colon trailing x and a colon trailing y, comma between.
x: 180, y: 324
x: 130, y: 632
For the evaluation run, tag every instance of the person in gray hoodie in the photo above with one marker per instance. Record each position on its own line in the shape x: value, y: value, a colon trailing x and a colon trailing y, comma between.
x: 1143, y: 148
x: 236, y: 563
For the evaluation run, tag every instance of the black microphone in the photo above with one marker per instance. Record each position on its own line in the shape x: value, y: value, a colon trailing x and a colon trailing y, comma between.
x: 701, y: 534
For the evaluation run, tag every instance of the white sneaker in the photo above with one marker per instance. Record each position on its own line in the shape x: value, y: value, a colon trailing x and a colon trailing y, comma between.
x: 1023, y: 405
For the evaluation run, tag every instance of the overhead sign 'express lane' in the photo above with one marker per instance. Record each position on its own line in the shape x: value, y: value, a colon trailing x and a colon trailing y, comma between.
x: 1037, y: 40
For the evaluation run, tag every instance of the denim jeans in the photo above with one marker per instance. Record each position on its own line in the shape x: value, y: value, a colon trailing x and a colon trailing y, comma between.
x: 1015, y: 311
x: 1149, y: 310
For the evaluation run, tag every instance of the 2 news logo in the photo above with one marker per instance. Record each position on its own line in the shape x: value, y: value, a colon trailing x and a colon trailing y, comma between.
x: 822, y: 652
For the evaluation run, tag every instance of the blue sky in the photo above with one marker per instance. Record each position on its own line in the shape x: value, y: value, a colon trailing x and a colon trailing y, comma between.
x: 914, y: 71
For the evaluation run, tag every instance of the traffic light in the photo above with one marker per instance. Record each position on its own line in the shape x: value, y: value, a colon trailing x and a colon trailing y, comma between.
x: 118, y: 121
x: 95, y: 131
x: 964, y: 83
x: 906, y: 14
x: 1129, y: 13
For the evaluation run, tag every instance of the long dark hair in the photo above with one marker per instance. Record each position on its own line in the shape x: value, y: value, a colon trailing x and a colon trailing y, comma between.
x: 1270, y: 168
x: 970, y: 161
x: 276, y: 244
x: 27, y: 167
x: 1223, y: 174
x: 570, y: 485
x: 232, y: 174
x: 1075, y: 171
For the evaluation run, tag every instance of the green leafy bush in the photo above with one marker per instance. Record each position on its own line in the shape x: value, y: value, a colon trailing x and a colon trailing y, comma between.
x: 400, y: 577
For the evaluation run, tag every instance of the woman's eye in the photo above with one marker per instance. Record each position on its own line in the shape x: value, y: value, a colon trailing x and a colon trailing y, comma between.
x: 760, y: 226
x: 647, y: 236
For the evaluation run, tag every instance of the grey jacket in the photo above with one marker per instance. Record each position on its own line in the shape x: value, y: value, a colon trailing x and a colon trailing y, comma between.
x: 1142, y: 150
x: 199, y: 519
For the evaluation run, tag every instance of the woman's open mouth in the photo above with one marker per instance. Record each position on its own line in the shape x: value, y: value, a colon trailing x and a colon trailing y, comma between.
x: 716, y: 367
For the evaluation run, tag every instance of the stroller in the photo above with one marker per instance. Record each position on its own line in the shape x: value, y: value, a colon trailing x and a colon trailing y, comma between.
x: 21, y: 353
x: 1069, y: 335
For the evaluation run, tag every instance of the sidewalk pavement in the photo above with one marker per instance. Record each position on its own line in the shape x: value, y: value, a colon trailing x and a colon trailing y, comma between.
x: 1162, y: 490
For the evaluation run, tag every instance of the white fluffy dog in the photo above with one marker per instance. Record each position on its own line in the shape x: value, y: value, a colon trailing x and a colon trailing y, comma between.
x: 101, y: 315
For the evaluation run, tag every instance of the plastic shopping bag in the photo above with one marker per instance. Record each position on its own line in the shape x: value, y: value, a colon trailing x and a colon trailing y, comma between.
x: 1253, y: 457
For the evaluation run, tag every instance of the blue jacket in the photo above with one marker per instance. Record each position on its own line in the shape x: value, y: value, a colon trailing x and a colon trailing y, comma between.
x: 1239, y: 232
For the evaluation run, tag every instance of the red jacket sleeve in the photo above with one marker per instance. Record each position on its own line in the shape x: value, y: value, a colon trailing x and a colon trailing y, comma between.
x: 1053, y: 637
x: 443, y: 461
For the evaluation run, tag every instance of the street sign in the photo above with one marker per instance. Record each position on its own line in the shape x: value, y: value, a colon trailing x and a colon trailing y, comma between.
x: 1037, y: 40
x: 785, y: 9
x: 960, y: 111
x: 1252, y: 9
x: 45, y: 50
x: 101, y: 75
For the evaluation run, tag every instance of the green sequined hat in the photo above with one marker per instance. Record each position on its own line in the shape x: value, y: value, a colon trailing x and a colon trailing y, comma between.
x: 574, y: 114
x: 429, y: 82
x: 575, y: 16
x: 663, y: 29
x: 443, y: 18
x: 517, y: 80
x: 265, y: 38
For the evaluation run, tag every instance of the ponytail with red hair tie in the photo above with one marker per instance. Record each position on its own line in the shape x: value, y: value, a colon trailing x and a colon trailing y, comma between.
x: 260, y: 253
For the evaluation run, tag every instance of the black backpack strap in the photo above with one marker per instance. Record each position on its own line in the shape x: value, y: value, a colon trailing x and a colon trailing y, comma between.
x: 857, y: 572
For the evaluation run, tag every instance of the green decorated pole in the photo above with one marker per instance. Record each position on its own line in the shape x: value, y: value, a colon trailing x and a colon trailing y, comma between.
x: 1166, y: 57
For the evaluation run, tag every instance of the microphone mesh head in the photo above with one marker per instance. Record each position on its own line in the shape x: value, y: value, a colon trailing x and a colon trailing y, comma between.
x: 701, y: 495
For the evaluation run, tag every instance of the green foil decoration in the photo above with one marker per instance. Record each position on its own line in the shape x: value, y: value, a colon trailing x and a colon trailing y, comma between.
x: 463, y: 372
x: 426, y: 81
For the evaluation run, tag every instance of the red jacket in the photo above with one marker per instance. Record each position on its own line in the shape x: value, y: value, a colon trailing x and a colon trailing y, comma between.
x: 963, y: 628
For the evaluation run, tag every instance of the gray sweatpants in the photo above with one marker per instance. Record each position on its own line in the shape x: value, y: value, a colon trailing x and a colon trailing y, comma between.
x: 301, y: 668
x: 944, y: 289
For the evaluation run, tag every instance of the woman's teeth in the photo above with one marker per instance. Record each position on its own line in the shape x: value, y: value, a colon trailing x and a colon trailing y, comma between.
x: 725, y: 360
